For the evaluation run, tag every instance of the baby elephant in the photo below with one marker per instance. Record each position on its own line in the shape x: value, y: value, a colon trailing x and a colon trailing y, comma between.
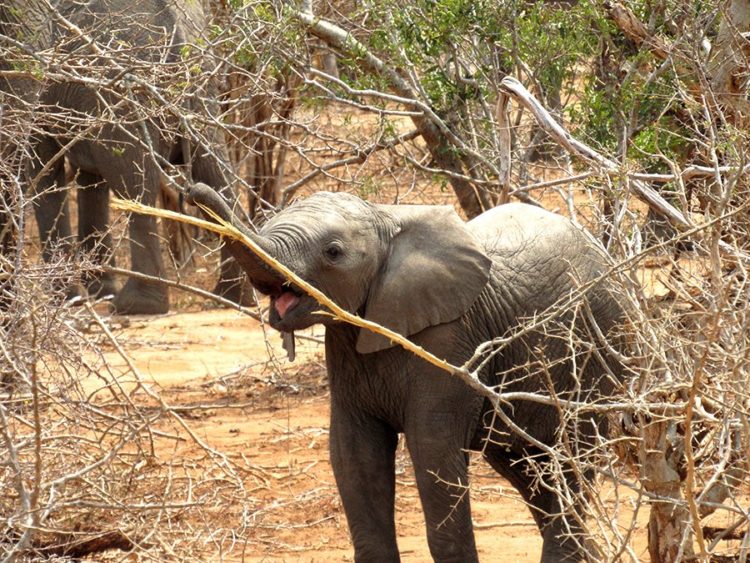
x: 449, y: 286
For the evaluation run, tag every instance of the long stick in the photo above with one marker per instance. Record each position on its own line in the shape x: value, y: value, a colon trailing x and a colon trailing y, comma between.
x: 226, y: 229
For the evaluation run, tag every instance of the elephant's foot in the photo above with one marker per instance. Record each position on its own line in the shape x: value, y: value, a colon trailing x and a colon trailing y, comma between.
x: 236, y: 290
x: 559, y: 548
x: 101, y: 286
x: 138, y: 297
x: 66, y: 291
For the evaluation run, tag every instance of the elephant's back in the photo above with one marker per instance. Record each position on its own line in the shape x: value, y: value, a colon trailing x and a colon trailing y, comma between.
x: 525, y: 234
x: 515, y: 224
x: 150, y: 25
x: 539, y: 256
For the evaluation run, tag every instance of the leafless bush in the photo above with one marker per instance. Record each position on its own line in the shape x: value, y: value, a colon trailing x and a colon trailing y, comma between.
x: 679, y: 447
x: 83, y: 441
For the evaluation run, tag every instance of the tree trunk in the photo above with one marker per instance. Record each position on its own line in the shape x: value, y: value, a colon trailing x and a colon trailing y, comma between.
x: 729, y: 62
x: 669, y: 516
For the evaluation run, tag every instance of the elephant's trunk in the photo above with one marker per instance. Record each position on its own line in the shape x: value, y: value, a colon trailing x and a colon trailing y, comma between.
x: 262, y: 276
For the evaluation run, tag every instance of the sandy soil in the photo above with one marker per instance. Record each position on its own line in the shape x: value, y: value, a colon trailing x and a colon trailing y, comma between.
x: 271, y: 418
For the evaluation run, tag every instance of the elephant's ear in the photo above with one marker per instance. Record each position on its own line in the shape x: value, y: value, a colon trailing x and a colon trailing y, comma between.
x: 434, y: 271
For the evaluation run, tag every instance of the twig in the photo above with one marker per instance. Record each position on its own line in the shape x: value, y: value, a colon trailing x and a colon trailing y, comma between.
x: 511, y: 524
x: 359, y: 157
x: 551, y: 183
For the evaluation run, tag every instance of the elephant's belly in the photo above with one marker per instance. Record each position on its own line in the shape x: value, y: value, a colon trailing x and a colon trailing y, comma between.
x: 81, y: 157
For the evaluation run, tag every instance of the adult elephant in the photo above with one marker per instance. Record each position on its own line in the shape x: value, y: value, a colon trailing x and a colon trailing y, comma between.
x: 449, y: 286
x: 107, y: 108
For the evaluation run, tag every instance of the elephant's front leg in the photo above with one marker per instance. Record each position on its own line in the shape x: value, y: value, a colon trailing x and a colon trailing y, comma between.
x: 436, y: 445
x: 93, y: 231
x: 362, y: 455
x: 47, y: 176
x: 139, y: 296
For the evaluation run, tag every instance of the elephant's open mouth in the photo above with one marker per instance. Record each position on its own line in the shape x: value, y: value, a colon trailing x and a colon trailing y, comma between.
x: 284, y: 302
x: 288, y: 307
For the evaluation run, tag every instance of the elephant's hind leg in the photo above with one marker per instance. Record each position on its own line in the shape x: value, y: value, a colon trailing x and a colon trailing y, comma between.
x: 562, y: 532
x: 93, y: 232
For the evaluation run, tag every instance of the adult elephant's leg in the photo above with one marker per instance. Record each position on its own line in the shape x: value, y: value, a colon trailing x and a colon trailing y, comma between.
x: 363, y: 459
x: 232, y: 283
x: 93, y: 231
x: 51, y: 208
x: 138, y: 178
x: 9, y: 221
x: 138, y: 296
x: 50, y: 198
x: 436, y: 444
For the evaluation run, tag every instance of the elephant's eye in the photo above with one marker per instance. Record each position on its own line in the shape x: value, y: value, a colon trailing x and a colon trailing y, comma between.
x: 334, y: 252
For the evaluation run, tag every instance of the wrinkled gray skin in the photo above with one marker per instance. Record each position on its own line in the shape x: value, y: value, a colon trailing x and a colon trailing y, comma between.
x: 117, y: 156
x: 449, y: 286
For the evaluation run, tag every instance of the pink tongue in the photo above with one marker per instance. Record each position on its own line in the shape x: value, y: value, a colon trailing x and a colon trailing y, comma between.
x: 284, y: 302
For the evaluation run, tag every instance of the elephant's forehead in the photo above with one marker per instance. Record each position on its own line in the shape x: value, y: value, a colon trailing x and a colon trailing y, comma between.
x: 323, y: 209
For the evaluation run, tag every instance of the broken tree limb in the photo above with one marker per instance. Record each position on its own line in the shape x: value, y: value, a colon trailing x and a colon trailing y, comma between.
x: 441, y: 141
x: 225, y: 228
x: 523, y: 97
x: 635, y: 30
x: 642, y: 190
x: 468, y: 373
